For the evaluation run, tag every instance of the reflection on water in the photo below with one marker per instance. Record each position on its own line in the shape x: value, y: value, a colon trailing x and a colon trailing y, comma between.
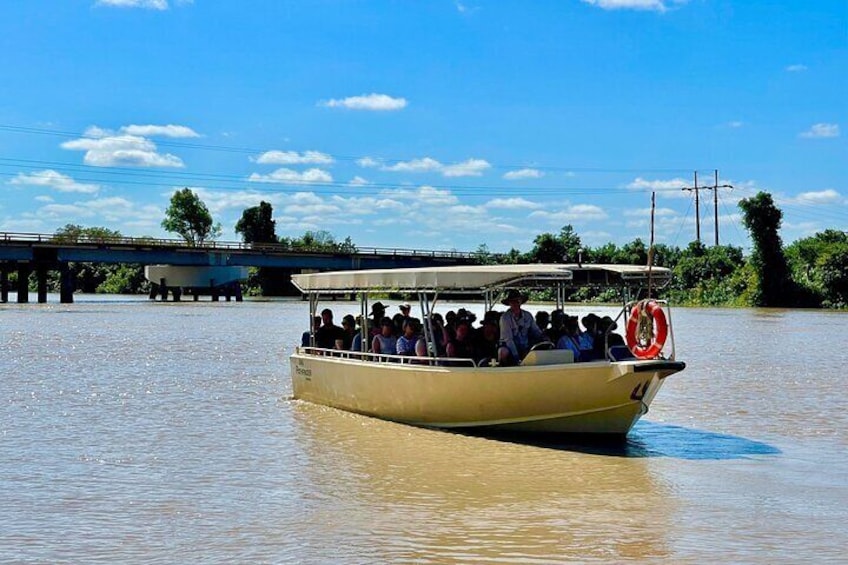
x: 649, y: 439
x: 146, y: 432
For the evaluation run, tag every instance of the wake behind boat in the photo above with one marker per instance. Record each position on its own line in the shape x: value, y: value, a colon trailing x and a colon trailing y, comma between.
x: 540, y: 390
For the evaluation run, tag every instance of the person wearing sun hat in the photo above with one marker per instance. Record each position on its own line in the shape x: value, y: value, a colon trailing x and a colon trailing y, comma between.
x: 518, y: 329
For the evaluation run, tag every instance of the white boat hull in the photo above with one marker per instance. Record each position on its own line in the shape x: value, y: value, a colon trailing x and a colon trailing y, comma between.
x: 582, y: 398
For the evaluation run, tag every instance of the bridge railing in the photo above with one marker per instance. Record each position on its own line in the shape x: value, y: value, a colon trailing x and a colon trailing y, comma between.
x: 11, y: 238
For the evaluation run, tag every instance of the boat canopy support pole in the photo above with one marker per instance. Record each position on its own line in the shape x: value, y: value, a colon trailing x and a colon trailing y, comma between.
x: 363, y: 323
x: 424, y: 304
x: 313, y: 307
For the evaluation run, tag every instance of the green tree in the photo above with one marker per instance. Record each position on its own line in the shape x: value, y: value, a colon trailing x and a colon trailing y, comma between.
x: 762, y: 219
x: 189, y: 217
x: 559, y: 248
x: 257, y: 224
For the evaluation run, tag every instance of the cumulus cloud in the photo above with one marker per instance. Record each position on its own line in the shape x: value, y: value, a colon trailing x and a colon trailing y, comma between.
x: 113, y: 210
x: 646, y: 212
x: 289, y: 176
x: 429, y: 195
x: 797, y: 68
x: 650, y: 5
x: 169, y: 130
x: 415, y: 166
x: 821, y: 130
x: 294, y: 158
x: 104, y: 148
x: 512, y: 204
x: 576, y: 213
x: 367, y: 162
x: 820, y: 197
x: 358, y: 181
x: 372, y: 102
x: 467, y: 168
x: 55, y: 180
x: 523, y: 174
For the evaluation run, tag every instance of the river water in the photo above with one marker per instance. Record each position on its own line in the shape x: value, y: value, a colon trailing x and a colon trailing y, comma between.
x: 133, y: 431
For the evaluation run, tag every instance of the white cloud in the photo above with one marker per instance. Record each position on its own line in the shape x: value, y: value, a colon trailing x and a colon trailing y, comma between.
x: 44, y: 198
x: 646, y: 212
x: 367, y: 162
x: 736, y: 124
x: 576, y: 213
x: 55, y: 180
x: 294, y: 158
x: 512, y: 203
x: 654, y: 5
x: 469, y: 168
x: 148, y: 4
x: 524, y: 174
x: 358, y: 181
x: 667, y: 188
x: 372, y: 102
x: 797, y: 68
x: 819, y: 198
x: 415, y: 166
x: 106, y: 149
x: 425, y: 195
x: 169, y: 130
x: 65, y: 211
x: 288, y: 176
x: 821, y: 130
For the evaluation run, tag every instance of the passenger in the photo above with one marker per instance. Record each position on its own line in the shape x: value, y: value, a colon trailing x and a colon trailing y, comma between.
x: 399, y: 321
x: 557, y: 328
x: 518, y: 330
x: 543, y: 319
x: 605, y: 338
x: 378, y: 311
x: 437, y: 329
x: 569, y: 339
x: 462, y: 346
x: 385, y: 342
x: 586, y: 338
x: 356, y: 344
x: 405, y: 308
x: 305, y: 337
x: 349, y: 328
x: 407, y: 342
x: 328, y: 333
x: 450, y: 325
x: 486, y: 345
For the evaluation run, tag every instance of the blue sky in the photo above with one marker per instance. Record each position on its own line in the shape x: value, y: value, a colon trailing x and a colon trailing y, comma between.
x: 441, y: 124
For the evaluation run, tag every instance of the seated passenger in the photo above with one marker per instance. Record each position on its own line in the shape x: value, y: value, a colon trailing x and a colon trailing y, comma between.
x: 385, y: 342
x: 586, y: 338
x: 518, y: 330
x: 487, y: 338
x: 305, y: 337
x: 462, y: 346
x: 407, y: 342
x: 569, y: 339
x: 349, y: 329
x: 329, y: 332
x: 542, y: 320
x: 605, y: 338
x: 556, y: 330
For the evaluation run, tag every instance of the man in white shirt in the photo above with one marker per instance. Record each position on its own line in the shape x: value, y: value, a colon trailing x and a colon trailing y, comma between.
x: 518, y: 329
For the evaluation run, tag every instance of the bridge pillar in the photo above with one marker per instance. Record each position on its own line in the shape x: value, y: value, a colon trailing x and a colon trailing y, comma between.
x: 237, y: 289
x: 214, y: 290
x: 4, y: 284
x: 41, y: 278
x: 66, y: 284
x: 177, y: 292
x: 24, y: 270
x: 163, y: 289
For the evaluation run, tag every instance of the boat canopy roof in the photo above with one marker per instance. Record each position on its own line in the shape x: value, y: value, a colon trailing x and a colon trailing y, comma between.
x: 479, y: 278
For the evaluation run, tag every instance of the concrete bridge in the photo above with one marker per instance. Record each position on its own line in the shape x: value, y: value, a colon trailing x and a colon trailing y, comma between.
x: 29, y: 252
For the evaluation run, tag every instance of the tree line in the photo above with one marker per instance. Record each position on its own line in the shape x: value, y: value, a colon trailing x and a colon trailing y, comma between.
x: 810, y: 272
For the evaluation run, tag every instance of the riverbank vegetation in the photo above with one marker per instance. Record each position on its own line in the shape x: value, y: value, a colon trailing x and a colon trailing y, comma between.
x: 810, y: 272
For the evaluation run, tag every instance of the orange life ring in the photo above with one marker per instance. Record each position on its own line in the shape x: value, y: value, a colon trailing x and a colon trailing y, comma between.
x: 647, y: 348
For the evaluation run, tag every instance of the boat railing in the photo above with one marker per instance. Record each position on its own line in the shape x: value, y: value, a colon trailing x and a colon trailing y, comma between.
x: 388, y: 358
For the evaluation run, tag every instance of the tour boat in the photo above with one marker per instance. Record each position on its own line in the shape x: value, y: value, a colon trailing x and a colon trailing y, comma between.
x: 548, y: 391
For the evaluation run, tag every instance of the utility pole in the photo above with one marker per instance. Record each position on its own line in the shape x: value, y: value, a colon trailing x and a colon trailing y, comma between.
x: 697, y: 208
x: 714, y: 188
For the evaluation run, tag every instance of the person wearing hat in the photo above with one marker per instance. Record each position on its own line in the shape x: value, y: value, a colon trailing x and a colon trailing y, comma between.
x: 518, y: 329
x: 605, y: 338
x: 404, y: 309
